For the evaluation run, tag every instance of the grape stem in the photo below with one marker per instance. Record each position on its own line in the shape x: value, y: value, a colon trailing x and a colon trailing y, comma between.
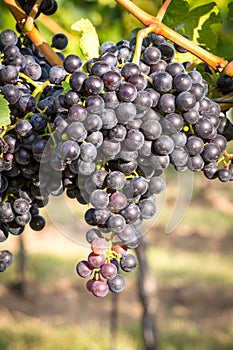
x: 228, y: 155
x: 162, y: 10
x: 225, y: 101
x: 34, y: 34
x: 31, y: 17
x: 157, y: 27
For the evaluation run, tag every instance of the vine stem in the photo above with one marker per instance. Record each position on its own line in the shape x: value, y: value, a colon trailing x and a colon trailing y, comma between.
x: 148, y: 20
x: 31, y: 17
x: 162, y: 10
x: 34, y: 34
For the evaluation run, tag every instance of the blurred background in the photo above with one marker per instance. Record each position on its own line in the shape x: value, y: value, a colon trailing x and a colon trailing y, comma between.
x: 44, y: 304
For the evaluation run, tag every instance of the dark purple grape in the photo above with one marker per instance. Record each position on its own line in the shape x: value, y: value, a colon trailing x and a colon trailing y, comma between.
x: 93, y: 85
x: 127, y: 92
x: 139, y: 81
x: 116, y: 284
x: 185, y: 101
x: 37, y: 222
x: 99, y: 288
x: 203, y: 128
x: 57, y: 74
x: 138, y: 185
x: 117, y: 201
x: 174, y: 68
x: 116, y: 180
x: 197, y: 90
x: 11, y: 93
x: 162, y: 81
x: 112, y: 80
x: 9, y: 74
x: 166, y: 103
x: 129, y: 69
x: 156, y: 185
x: 6, y: 259
x: 179, y: 157
x: 116, y: 223
x: 211, y: 152
x: 101, y: 216
x: 163, y: 145
x: 99, y: 199
x: 211, y: 170
x: 108, y: 270
x: 151, y: 55
x: 59, y: 41
x: 4, y: 233
x: 125, y: 111
x: 8, y: 37
x: 134, y: 139
x: 33, y: 70
x: 167, y: 51
x: 194, y: 145
x: 77, y: 80
x: 182, y: 82
x: 72, y: 63
x: 224, y: 175
x: 118, y: 132
x: 191, y: 116
x: 195, y: 163
x: 128, y: 262
x: 84, y: 269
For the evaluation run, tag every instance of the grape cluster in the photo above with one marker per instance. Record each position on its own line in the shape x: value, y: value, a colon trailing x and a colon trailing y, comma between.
x: 104, y: 263
x: 104, y: 141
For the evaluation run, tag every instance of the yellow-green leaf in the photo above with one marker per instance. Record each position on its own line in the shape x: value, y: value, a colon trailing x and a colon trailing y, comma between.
x: 89, y: 41
x: 4, y: 112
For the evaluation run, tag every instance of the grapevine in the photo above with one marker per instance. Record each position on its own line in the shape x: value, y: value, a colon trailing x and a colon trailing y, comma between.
x: 102, y: 131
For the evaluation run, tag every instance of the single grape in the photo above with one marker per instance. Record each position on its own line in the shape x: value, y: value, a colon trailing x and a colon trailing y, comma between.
x: 96, y: 260
x: 162, y: 82
x: 116, y: 284
x: 108, y: 270
x: 99, y: 288
x: 116, y: 223
x: 128, y: 262
x: 99, y: 246
x: 99, y: 199
x: 84, y: 269
x: 163, y: 145
x: 117, y: 201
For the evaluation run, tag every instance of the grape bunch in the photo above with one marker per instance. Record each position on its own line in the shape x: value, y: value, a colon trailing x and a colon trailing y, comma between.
x: 103, y: 141
x: 104, y: 263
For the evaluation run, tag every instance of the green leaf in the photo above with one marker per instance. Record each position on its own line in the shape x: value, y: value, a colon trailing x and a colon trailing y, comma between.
x: 66, y: 87
x: 4, y: 111
x: 230, y: 13
x: 207, y: 36
x: 185, y: 21
x: 176, y: 12
x: 89, y: 41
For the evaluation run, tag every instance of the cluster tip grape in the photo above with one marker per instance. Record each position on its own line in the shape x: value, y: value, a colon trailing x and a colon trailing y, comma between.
x: 103, y: 265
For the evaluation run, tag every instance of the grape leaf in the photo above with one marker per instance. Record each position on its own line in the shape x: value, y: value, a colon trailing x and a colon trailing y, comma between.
x: 207, y: 35
x: 230, y: 13
x: 183, y: 20
x: 89, y: 41
x: 5, y: 111
x: 175, y: 13
x: 66, y: 87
